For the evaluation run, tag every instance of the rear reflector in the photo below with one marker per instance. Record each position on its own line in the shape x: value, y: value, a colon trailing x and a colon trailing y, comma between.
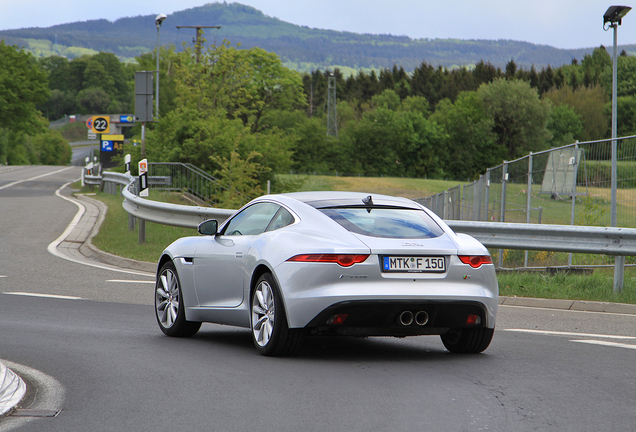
x: 475, y: 261
x: 473, y: 320
x: 344, y: 260
x: 337, y: 319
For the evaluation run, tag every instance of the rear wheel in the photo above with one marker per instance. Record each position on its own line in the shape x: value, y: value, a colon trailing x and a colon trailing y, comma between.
x: 467, y: 340
x: 169, y: 308
x: 271, y: 334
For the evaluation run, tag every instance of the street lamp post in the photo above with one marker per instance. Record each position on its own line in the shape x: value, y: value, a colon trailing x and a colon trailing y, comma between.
x: 612, y: 19
x: 158, y: 22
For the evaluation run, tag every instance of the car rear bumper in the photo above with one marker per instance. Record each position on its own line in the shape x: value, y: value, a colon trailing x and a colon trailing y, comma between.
x: 397, y: 318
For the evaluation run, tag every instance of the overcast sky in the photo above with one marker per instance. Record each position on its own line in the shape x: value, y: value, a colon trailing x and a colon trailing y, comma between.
x: 559, y: 23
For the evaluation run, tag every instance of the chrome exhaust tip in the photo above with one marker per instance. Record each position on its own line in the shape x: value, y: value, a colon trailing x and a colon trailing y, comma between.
x: 421, y: 318
x: 406, y: 318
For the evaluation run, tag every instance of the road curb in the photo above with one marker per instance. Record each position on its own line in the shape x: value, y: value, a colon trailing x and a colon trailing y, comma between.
x: 12, y: 389
x: 574, y: 305
x: 88, y: 228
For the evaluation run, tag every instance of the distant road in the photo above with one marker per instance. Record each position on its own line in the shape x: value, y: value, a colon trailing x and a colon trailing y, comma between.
x: 82, y: 150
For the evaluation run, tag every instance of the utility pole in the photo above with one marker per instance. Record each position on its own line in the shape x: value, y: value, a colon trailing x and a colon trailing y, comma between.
x: 198, y: 41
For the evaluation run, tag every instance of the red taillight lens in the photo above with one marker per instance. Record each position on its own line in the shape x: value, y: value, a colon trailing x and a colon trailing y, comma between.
x: 345, y: 260
x: 475, y: 261
x: 473, y: 320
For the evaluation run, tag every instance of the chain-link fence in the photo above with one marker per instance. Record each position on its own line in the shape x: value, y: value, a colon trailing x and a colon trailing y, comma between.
x: 569, y: 185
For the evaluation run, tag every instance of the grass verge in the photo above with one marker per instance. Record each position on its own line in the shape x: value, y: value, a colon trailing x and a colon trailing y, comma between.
x: 595, y: 287
x: 115, y: 238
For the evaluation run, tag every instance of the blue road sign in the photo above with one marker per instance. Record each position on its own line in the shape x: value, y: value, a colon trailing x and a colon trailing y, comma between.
x: 107, y: 146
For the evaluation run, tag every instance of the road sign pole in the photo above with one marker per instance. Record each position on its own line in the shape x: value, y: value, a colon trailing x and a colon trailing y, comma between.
x: 143, y: 140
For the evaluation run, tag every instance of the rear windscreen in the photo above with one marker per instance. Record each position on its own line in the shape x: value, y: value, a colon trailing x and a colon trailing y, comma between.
x: 385, y: 222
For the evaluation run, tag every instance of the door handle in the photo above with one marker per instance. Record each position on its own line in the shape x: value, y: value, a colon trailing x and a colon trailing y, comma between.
x: 239, y: 254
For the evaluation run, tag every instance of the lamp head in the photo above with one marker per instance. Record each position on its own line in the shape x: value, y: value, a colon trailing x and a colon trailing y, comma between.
x: 615, y: 14
x: 160, y: 19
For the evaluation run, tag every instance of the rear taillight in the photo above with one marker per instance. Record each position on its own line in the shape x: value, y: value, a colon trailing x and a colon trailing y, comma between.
x: 344, y: 260
x: 475, y: 261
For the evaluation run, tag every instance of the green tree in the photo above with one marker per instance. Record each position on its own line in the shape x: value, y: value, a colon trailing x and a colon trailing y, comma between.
x: 625, y: 74
x: 239, y: 179
x: 93, y: 100
x: 59, y: 104
x: 23, y: 85
x: 597, y: 65
x: 392, y: 143
x: 186, y: 135
x: 245, y: 84
x: 625, y: 115
x: 388, y: 99
x: 472, y: 145
x: 565, y: 125
x: 417, y: 104
x: 589, y: 103
x: 520, y: 117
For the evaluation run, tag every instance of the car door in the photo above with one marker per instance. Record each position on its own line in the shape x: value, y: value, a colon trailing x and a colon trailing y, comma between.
x: 221, y: 267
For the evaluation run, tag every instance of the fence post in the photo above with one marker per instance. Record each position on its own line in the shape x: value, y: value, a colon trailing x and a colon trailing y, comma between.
x: 502, y: 214
x: 528, y: 203
x: 142, y: 223
x: 477, y: 190
x: 487, y: 194
x: 445, y: 206
x: 131, y: 218
x: 576, y: 169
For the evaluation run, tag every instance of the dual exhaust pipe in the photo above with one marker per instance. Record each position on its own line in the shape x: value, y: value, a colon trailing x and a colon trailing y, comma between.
x: 407, y: 318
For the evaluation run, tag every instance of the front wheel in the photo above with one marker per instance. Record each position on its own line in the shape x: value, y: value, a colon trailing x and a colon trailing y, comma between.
x: 271, y: 334
x: 467, y: 340
x: 169, y: 307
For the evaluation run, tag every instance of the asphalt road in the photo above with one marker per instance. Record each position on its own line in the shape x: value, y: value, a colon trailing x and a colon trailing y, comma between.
x: 99, y: 361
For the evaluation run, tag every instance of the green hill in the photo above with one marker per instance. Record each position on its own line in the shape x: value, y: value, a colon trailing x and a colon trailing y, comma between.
x: 300, y: 47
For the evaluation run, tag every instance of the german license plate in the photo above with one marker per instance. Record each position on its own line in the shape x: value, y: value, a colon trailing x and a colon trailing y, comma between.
x: 414, y: 264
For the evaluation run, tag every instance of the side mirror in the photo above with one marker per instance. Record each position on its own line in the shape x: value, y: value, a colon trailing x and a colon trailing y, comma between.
x: 208, y: 227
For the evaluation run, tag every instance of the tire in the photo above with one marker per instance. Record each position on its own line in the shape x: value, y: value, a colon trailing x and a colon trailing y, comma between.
x: 467, y: 340
x: 169, y: 307
x: 270, y: 332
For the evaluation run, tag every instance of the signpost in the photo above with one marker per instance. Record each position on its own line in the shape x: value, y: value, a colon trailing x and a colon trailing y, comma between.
x: 143, y: 192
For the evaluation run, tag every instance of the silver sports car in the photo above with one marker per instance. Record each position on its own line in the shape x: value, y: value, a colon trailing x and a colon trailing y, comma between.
x: 293, y: 265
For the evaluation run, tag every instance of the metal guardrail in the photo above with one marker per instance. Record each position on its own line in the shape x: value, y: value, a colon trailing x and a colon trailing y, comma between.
x: 162, y: 213
x: 554, y: 238
x: 171, y: 214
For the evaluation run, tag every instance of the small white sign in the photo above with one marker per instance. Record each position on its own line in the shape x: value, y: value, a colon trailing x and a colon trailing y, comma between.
x: 92, y: 136
x: 143, y: 178
x: 127, y: 164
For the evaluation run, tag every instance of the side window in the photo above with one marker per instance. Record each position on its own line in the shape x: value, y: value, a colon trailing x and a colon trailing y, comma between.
x: 252, y: 220
x: 282, y: 219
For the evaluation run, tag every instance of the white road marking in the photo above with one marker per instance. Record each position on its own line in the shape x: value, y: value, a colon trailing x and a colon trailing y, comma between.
x: 603, y: 343
x: 43, y: 295
x: 33, y: 178
x: 130, y: 281
x: 52, y: 248
x: 569, y: 334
